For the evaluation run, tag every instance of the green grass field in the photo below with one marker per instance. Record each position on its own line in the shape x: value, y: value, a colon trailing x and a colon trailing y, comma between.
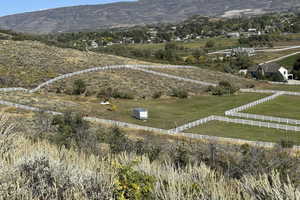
x: 267, y: 56
x: 246, y: 132
x: 164, y: 113
x: 292, y: 88
x: 283, y: 106
x: 290, y: 61
x: 221, y: 43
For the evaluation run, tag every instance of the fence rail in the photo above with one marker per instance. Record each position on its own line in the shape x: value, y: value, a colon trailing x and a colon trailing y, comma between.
x: 266, y: 118
x: 163, y: 131
x: 236, y: 112
x: 13, y: 89
x: 236, y: 121
x: 117, y: 67
x: 174, y: 77
x: 252, y: 104
x: 179, y: 130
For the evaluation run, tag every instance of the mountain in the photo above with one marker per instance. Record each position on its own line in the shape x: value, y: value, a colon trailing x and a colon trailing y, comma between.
x: 126, y: 14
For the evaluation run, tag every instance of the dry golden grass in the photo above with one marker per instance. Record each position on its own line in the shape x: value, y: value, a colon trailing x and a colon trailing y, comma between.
x: 139, y: 83
x: 40, y: 170
x: 27, y: 63
x: 209, y: 76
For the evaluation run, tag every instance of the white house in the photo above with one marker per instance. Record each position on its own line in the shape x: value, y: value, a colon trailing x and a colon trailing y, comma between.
x: 234, y: 35
x: 94, y: 44
x: 242, y: 51
x: 270, y: 69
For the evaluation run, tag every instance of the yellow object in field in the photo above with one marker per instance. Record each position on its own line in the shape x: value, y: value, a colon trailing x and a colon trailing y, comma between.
x: 113, y: 108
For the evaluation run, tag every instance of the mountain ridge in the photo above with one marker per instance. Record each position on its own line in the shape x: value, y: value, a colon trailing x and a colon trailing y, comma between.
x: 126, y: 14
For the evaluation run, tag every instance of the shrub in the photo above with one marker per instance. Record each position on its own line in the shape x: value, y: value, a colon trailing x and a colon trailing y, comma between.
x: 79, y: 87
x: 210, y: 44
x: 286, y: 144
x: 250, y: 85
x: 41, y: 177
x: 122, y: 94
x: 296, y: 69
x: 117, y: 141
x: 277, y: 77
x: 179, y: 93
x: 224, y: 88
x: 72, y: 131
x: 153, y: 153
x: 181, y: 156
x: 133, y: 185
x: 115, y: 93
x: 191, y: 60
x: 157, y: 95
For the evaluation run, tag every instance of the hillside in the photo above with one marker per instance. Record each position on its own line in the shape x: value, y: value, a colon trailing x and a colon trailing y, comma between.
x: 43, y: 170
x: 27, y: 63
x: 142, y: 12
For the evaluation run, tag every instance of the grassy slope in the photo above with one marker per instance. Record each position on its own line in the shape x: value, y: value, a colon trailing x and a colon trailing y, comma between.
x: 164, y: 113
x: 289, y: 62
x: 28, y: 63
x: 283, y: 106
x: 139, y: 83
x: 293, y: 88
x: 221, y: 43
x: 230, y: 130
x: 266, y: 56
x: 209, y: 76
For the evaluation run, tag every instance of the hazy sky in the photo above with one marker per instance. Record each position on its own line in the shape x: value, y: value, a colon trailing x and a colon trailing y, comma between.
x: 8, y: 7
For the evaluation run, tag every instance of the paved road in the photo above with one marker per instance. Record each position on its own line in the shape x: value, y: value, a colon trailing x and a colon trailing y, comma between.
x: 275, y: 49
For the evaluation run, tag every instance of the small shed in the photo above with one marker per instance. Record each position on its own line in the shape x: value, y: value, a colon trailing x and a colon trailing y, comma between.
x: 140, y: 113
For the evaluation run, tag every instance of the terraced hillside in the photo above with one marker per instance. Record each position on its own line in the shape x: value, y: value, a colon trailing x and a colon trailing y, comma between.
x: 137, y: 83
x: 27, y: 63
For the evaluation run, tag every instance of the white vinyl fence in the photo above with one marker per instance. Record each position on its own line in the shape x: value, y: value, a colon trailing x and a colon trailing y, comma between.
x: 193, y: 124
x: 117, y: 67
x: 29, y: 108
x: 236, y: 111
x: 13, y: 89
x: 258, y: 123
x: 170, y: 132
x: 252, y: 104
x: 128, y: 125
x: 179, y: 130
x: 174, y: 77
x: 266, y: 118
x: 236, y: 121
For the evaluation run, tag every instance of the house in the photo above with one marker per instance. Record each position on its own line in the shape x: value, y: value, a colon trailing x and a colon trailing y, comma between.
x: 242, y: 51
x: 94, y: 44
x: 140, y: 113
x: 243, y: 72
x: 233, y: 35
x: 269, y: 70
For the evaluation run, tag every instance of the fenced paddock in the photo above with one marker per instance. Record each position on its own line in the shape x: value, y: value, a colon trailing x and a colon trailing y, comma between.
x: 236, y: 112
x: 156, y: 130
x: 145, y: 68
x: 236, y: 121
x: 244, y: 132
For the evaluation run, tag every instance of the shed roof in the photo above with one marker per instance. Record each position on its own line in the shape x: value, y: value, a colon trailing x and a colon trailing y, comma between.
x: 268, y: 67
x: 271, y: 67
x: 140, y: 110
